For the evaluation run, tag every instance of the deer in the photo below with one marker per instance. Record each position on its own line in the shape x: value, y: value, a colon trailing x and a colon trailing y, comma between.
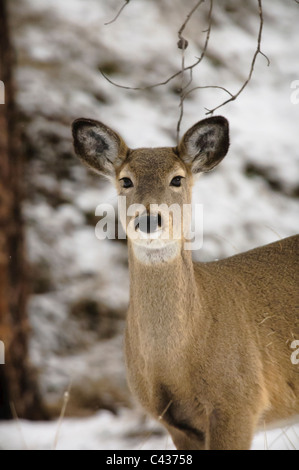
x: 207, y: 344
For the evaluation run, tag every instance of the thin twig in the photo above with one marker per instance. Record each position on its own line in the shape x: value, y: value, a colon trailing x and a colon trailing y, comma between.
x: 118, y: 14
x: 181, y: 106
x: 184, y: 43
x: 155, y: 85
x: 66, y: 398
x: 274, y: 231
x: 278, y: 437
x: 184, y: 92
x: 287, y: 437
x: 205, y: 87
x: 165, y: 410
x: 266, y: 447
x: 187, y: 93
x: 174, y: 75
x: 150, y: 433
x: 148, y: 87
x: 256, y: 54
x: 17, y: 421
x: 237, y: 250
x: 296, y: 435
x: 188, y: 18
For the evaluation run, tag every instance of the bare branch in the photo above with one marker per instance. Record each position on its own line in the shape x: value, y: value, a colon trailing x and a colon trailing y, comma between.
x: 206, y: 87
x: 183, y: 43
x: 256, y: 54
x: 182, y: 99
x: 119, y: 13
x: 176, y: 74
x: 148, y: 87
x: 188, y: 19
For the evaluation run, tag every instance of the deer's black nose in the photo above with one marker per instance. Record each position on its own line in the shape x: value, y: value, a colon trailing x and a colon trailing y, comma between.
x: 148, y: 223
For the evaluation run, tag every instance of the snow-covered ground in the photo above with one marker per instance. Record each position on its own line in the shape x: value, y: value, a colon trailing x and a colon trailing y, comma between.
x: 80, y: 284
x: 126, y: 431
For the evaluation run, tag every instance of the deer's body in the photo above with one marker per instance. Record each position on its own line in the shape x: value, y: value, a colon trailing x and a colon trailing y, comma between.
x: 207, y: 344
x: 219, y: 347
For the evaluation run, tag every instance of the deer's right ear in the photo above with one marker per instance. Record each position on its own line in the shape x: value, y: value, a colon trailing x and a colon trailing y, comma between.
x: 205, y: 144
x: 98, y: 146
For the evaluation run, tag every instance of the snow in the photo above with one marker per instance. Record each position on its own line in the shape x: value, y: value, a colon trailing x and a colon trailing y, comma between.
x: 105, y: 431
x: 60, y: 48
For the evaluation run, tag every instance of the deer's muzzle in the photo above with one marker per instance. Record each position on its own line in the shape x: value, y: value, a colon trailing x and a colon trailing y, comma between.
x: 148, y: 223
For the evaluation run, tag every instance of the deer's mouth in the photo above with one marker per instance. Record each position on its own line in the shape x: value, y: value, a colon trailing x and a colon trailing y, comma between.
x: 155, y: 251
x: 153, y: 243
x: 151, y: 230
x: 157, y: 235
x: 154, y: 240
x: 152, y: 237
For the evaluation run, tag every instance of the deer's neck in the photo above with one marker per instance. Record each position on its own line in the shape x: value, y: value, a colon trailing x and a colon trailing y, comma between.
x: 163, y: 297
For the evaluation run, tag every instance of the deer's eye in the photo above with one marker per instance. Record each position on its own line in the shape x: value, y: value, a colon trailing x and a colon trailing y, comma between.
x: 176, y: 181
x: 127, y: 183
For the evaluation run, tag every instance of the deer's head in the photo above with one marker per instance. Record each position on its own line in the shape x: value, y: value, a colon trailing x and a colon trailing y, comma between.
x: 153, y: 180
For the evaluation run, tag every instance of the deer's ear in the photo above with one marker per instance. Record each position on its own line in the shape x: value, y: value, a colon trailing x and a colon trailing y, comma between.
x: 205, y: 144
x: 98, y: 146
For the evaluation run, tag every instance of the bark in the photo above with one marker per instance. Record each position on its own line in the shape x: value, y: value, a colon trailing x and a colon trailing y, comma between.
x: 18, y: 388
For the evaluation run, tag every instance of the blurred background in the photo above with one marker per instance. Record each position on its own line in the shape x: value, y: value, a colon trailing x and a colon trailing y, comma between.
x: 64, y: 294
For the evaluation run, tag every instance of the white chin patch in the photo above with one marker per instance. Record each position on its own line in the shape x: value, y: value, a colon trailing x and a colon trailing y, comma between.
x: 150, y: 236
x: 151, y: 251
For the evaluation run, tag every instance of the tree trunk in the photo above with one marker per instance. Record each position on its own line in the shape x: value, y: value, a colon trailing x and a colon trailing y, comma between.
x: 18, y: 390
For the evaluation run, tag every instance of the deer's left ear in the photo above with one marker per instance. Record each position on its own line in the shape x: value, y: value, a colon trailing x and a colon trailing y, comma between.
x: 98, y: 146
x: 205, y: 144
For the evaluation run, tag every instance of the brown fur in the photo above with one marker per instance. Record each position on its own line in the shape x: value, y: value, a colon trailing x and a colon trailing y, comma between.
x: 207, y: 344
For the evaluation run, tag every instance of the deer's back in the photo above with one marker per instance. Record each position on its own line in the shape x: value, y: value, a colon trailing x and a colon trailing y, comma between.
x: 265, y: 280
x: 252, y: 300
